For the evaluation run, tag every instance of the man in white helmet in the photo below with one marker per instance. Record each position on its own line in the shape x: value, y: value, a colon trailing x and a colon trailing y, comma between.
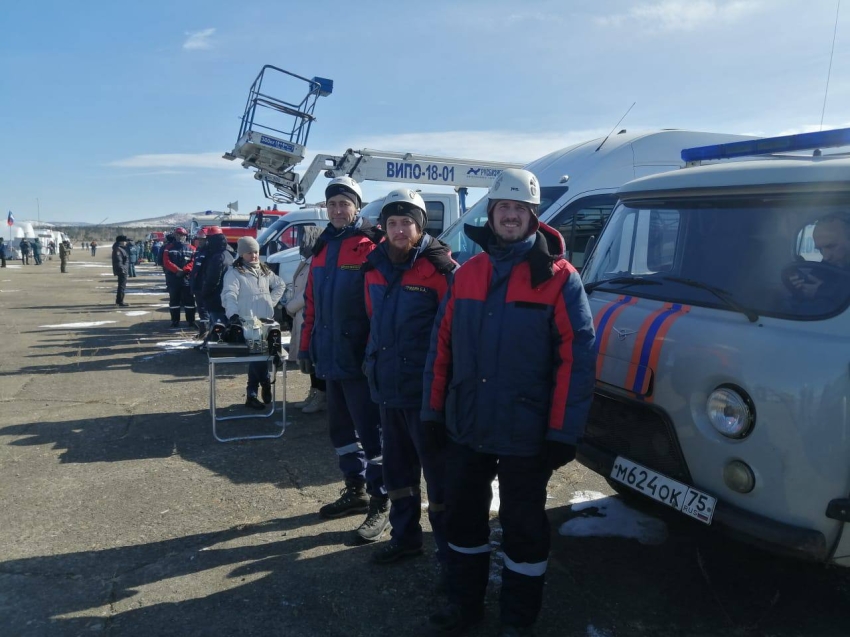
x: 508, y: 380
x: 333, y: 342
x: 406, y: 279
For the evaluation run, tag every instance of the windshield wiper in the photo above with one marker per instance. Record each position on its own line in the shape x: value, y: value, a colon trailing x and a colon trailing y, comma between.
x: 620, y: 280
x: 720, y: 293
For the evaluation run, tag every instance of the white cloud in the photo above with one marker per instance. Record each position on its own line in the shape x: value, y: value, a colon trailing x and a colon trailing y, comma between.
x: 165, y: 161
x: 682, y: 15
x: 198, y: 40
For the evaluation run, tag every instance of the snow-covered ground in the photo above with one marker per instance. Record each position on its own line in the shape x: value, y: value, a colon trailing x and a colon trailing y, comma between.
x: 608, y: 516
x: 76, y: 326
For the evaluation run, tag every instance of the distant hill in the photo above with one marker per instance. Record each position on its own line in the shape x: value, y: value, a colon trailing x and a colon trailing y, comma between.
x: 166, y: 221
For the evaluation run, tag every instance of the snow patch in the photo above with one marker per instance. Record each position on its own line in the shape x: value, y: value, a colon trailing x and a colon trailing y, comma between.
x: 130, y: 292
x: 77, y: 325
x: 14, y: 267
x: 136, y: 313
x: 605, y: 516
x: 8, y: 291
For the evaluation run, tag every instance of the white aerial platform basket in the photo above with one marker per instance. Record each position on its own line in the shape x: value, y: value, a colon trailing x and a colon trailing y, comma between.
x: 273, y: 134
x: 265, y: 152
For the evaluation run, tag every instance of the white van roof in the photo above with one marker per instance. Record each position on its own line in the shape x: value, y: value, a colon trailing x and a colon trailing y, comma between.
x: 623, y: 157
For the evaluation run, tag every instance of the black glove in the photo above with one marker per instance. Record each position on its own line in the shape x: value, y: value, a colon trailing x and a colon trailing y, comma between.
x: 235, y: 320
x: 557, y: 454
x: 306, y: 366
x: 435, y: 433
x: 179, y: 274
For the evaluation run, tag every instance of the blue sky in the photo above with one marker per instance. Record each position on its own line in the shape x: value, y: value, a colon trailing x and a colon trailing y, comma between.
x: 122, y: 110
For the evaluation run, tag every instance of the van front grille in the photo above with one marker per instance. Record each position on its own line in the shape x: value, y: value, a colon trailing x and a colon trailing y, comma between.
x: 638, y: 432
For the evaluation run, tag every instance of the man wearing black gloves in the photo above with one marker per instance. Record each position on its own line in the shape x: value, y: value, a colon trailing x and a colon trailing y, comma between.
x: 508, y: 380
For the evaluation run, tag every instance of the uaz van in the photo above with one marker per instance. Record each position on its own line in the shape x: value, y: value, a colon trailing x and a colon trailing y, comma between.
x: 720, y: 296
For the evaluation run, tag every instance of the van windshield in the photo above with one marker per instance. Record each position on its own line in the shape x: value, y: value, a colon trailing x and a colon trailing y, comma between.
x: 462, y: 247
x: 786, y: 257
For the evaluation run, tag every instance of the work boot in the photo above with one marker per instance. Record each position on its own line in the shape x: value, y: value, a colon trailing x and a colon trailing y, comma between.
x: 453, y: 619
x: 352, y: 500
x: 395, y: 551
x: 377, y: 519
x: 253, y: 402
x: 266, y: 392
x: 319, y: 403
x: 310, y: 397
x: 175, y: 323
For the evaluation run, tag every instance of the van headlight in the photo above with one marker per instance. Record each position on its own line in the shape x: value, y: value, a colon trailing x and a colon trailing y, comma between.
x: 730, y: 411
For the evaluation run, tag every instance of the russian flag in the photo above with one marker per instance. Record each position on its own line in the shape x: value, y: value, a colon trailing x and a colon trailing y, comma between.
x: 10, y: 220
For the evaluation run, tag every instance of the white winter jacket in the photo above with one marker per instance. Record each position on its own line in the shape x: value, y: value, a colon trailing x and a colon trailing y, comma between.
x: 295, y: 307
x: 248, y: 292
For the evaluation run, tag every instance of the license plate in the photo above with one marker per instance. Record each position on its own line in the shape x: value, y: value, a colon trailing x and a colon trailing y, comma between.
x: 659, y: 487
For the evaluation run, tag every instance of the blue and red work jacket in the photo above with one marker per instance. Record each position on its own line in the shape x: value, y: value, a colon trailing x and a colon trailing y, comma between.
x: 177, y: 261
x: 402, y: 301
x: 336, y: 326
x: 512, y: 357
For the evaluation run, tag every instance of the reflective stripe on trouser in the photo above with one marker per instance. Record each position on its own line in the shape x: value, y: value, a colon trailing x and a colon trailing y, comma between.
x: 181, y: 296
x: 355, y: 430
x: 525, y: 527
x: 406, y: 456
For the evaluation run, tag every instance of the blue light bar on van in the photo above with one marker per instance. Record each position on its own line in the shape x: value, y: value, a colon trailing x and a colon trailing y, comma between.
x: 768, y: 145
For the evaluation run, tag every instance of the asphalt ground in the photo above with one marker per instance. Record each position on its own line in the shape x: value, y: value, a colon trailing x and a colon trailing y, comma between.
x: 121, y: 515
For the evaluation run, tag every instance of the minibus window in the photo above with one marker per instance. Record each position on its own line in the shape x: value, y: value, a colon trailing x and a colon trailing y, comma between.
x: 581, y: 220
x: 436, y: 213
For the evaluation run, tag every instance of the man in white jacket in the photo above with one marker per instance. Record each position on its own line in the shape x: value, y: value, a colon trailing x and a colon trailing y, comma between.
x: 250, y: 289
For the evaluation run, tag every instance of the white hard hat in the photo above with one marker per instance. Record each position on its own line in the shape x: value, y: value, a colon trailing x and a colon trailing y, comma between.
x: 344, y: 186
x: 407, y: 203
x: 515, y: 184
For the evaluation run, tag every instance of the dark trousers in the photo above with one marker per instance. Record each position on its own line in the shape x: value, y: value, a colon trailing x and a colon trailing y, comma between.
x: 63, y: 264
x: 122, y: 286
x: 37, y: 257
x: 522, y: 513
x: 2, y: 261
x: 408, y: 454
x: 181, y: 296
x: 131, y: 270
x: 258, y: 374
x: 355, y: 428
x: 202, y: 311
x: 25, y: 257
x: 318, y: 383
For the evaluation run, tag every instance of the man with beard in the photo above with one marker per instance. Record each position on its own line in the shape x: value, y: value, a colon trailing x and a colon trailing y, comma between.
x: 509, y: 380
x: 177, y: 260
x: 406, y: 279
x: 333, y: 343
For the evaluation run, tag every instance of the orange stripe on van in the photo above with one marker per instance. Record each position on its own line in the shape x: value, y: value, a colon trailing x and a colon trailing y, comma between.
x: 639, y: 342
